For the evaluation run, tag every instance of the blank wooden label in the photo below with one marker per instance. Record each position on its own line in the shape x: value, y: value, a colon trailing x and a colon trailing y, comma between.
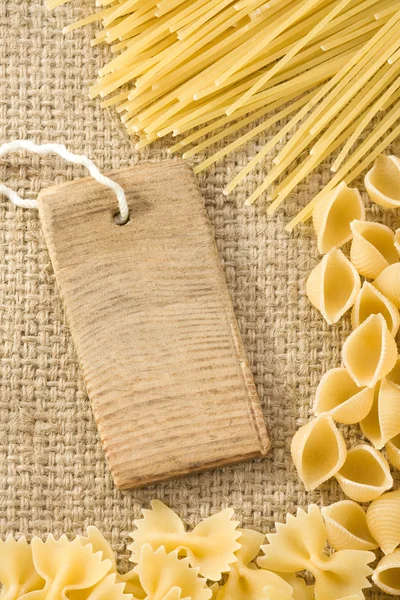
x: 153, y: 324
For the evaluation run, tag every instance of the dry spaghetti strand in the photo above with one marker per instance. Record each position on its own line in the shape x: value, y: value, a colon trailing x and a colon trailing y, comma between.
x: 219, y: 65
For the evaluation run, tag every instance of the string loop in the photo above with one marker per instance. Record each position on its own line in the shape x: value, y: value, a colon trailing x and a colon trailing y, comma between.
x: 76, y: 159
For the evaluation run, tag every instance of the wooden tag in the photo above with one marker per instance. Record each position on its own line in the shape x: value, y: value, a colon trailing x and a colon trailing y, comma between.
x: 153, y: 324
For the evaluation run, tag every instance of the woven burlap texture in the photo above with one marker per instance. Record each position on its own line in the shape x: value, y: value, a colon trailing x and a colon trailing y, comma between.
x: 53, y: 475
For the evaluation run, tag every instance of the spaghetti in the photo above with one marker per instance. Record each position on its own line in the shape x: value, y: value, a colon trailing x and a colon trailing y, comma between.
x: 207, y: 68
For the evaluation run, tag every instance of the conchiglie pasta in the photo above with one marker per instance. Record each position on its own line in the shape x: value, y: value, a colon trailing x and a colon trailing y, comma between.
x: 394, y: 375
x: 383, y: 517
x: 382, y: 182
x: 370, y: 352
x: 372, y: 248
x: 339, y: 396
x: 369, y: 302
x: 397, y: 240
x: 365, y: 475
x: 333, y: 214
x: 346, y: 523
x: 388, y: 283
x: 393, y: 451
x: 387, y: 574
x: 318, y: 451
x: 383, y: 421
x: 333, y: 285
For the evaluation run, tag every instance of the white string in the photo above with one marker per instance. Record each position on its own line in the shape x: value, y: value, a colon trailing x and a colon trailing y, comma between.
x: 72, y: 158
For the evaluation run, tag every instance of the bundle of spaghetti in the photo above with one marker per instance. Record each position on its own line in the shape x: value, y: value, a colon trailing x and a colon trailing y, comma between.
x: 208, y: 68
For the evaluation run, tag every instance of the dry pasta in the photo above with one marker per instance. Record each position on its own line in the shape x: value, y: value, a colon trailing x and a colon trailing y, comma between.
x: 372, y: 248
x: 370, y: 301
x: 17, y: 571
x: 245, y: 582
x: 370, y: 352
x: 211, y: 546
x: 383, y: 517
x: 318, y: 451
x: 383, y: 421
x: 387, y: 574
x: 397, y: 240
x: 68, y: 567
x: 333, y: 214
x: 98, y: 544
x: 190, y: 64
x: 346, y: 524
x: 65, y: 569
x: 382, y: 182
x: 300, y: 544
x: 271, y: 592
x: 333, y: 286
x: 388, y: 283
x: 393, y: 451
x: 365, y: 474
x: 161, y: 572
x: 340, y: 397
x: 301, y: 591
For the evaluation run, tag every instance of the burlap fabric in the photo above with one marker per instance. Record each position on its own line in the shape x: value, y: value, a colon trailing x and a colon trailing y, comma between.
x: 53, y: 476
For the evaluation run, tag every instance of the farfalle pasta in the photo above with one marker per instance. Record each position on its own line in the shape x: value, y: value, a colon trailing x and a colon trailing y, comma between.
x: 300, y: 544
x: 333, y: 214
x: 383, y: 518
x: 211, y: 546
x: 370, y: 352
x: 66, y: 567
x: 333, y: 285
x: 365, y: 474
x: 108, y: 588
x: 318, y: 451
x: 245, y: 581
x: 162, y: 573
x: 388, y: 283
x: 370, y: 301
x: 372, y: 248
x: 340, y: 397
x: 346, y: 524
x: 98, y: 543
x: 271, y: 592
x: 301, y: 591
x: 382, y: 182
x: 85, y: 568
x: 17, y: 571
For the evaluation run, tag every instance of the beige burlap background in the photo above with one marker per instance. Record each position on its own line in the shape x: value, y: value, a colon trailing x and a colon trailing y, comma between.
x: 53, y: 476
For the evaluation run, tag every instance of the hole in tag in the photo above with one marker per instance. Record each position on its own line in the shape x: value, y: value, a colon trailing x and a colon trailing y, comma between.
x: 119, y: 220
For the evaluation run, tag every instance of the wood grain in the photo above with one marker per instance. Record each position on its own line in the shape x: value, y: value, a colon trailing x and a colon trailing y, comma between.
x: 153, y: 324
